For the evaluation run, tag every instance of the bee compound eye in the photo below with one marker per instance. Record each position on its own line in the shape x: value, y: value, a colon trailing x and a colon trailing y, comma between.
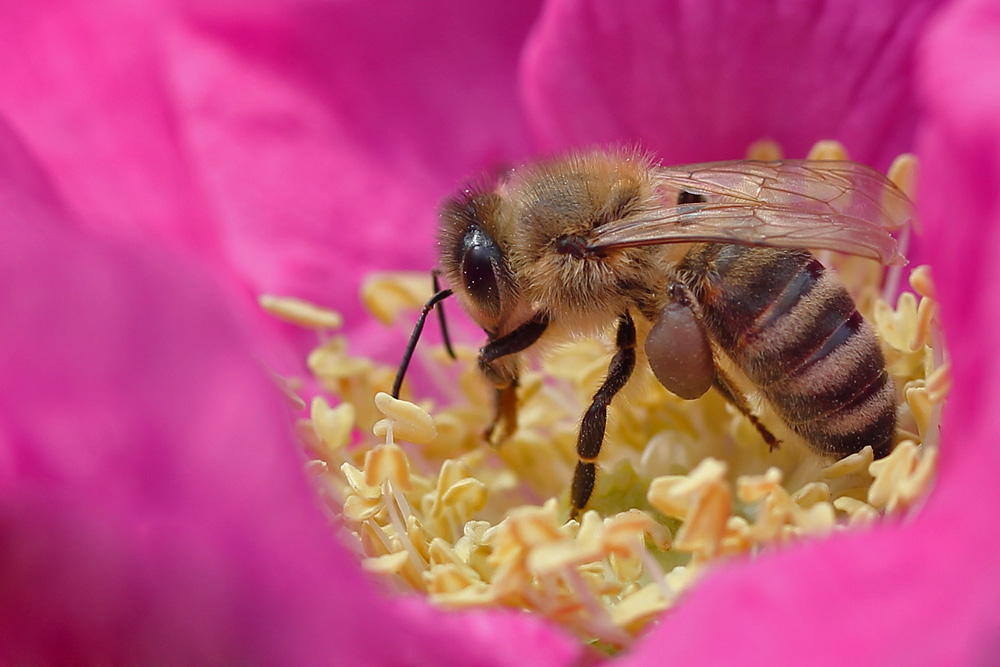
x: 481, y: 264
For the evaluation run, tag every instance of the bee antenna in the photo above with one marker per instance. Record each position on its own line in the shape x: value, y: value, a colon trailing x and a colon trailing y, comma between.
x: 440, y: 310
x: 439, y: 296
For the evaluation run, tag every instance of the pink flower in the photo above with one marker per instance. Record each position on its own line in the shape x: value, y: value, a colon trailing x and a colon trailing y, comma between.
x: 161, y: 164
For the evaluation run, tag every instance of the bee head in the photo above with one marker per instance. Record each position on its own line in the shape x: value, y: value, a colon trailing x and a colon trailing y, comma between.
x: 474, y: 257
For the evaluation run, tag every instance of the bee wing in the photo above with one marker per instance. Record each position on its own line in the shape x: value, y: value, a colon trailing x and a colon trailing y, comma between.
x: 832, y: 205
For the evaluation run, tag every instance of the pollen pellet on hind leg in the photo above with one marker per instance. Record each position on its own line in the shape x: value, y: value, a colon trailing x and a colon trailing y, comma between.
x: 679, y: 353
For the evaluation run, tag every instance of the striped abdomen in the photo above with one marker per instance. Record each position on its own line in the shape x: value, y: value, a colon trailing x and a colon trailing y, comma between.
x: 796, y: 333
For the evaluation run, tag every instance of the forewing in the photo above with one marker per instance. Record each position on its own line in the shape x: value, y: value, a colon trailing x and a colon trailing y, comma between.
x: 832, y: 205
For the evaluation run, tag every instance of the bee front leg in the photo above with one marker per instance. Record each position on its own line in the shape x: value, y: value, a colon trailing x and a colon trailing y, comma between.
x: 499, y: 365
x: 591, y: 437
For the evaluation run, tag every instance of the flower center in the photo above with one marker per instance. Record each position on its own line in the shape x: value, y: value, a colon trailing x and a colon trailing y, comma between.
x: 430, y: 507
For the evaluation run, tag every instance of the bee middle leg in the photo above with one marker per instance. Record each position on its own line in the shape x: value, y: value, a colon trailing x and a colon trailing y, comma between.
x: 591, y: 435
x: 736, y: 397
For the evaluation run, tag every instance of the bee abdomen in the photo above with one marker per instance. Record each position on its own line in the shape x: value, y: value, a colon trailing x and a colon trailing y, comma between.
x: 841, y: 398
x: 808, y: 348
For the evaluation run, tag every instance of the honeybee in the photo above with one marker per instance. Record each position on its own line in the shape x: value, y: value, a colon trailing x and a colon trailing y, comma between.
x: 715, y: 256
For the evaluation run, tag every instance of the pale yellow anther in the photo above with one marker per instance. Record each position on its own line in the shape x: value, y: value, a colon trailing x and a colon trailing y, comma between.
x: 440, y: 551
x: 903, y: 172
x: 737, y: 537
x: 478, y: 532
x: 773, y: 516
x: 926, y: 312
x: 452, y: 472
x: 680, y: 578
x: 511, y: 578
x: 889, y: 472
x: 626, y: 566
x: 333, y: 425
x: 851, y: 506
x: 922, y: 281
x: 359, y: 508
x: 850, y: 465
x: 532, y: 525
x: 386, y: 295
x: 827, y: 150
x: 672, y: 494
x: 706, y: 522
x: 662, y: 496
x: 466, y: 497
x: 356, y: 479
x: 812, y: 493
x: 753, y: 488
x: 639, y: 606
x: 897, y: 327
x: 623, y: 531
x: 410, y: 422
x: 918, y: 483
x: 475, y: 595
x: 554, y: 556
x: 818, y: 519
x: 300, y: 312
x: 449, y: 578
x: 419, y: 537
x: 373, y: 539
x: 919, y: 401
x: 387, y: 564
x: 603, y: 582
x: 864, y: 516
x: 387, y: 463
x: 330, y: 361
x: 590, y: 535
x: 764, y: 149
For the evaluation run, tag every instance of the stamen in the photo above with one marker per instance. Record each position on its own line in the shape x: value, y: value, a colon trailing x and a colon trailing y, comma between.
x: 302, y: 313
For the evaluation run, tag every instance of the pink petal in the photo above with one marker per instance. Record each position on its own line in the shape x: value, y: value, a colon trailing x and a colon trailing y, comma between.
x: 325, y: 137
x: 154, y: 507
x: 926, y: 591
x: 696, y: 81
x: 83, y: 85
x: 296, y: 145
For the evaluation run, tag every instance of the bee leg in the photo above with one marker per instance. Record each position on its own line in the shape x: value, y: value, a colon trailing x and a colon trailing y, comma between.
x: 588, y: 444
x: 505, y: 414
x: 734, y: 396
x: 498, y: 364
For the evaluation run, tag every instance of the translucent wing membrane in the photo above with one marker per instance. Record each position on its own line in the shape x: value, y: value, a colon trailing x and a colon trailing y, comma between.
x: 831, y: 205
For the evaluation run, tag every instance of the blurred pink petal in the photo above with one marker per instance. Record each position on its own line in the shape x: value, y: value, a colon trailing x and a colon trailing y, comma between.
x: 154, y: 506
x: 83, y: 84
x: 695, y: 81
x: 288, y: 141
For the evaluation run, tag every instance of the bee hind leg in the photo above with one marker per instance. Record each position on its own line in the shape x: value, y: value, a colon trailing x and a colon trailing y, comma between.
x: 734, y: 396
x: 591, y: 436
